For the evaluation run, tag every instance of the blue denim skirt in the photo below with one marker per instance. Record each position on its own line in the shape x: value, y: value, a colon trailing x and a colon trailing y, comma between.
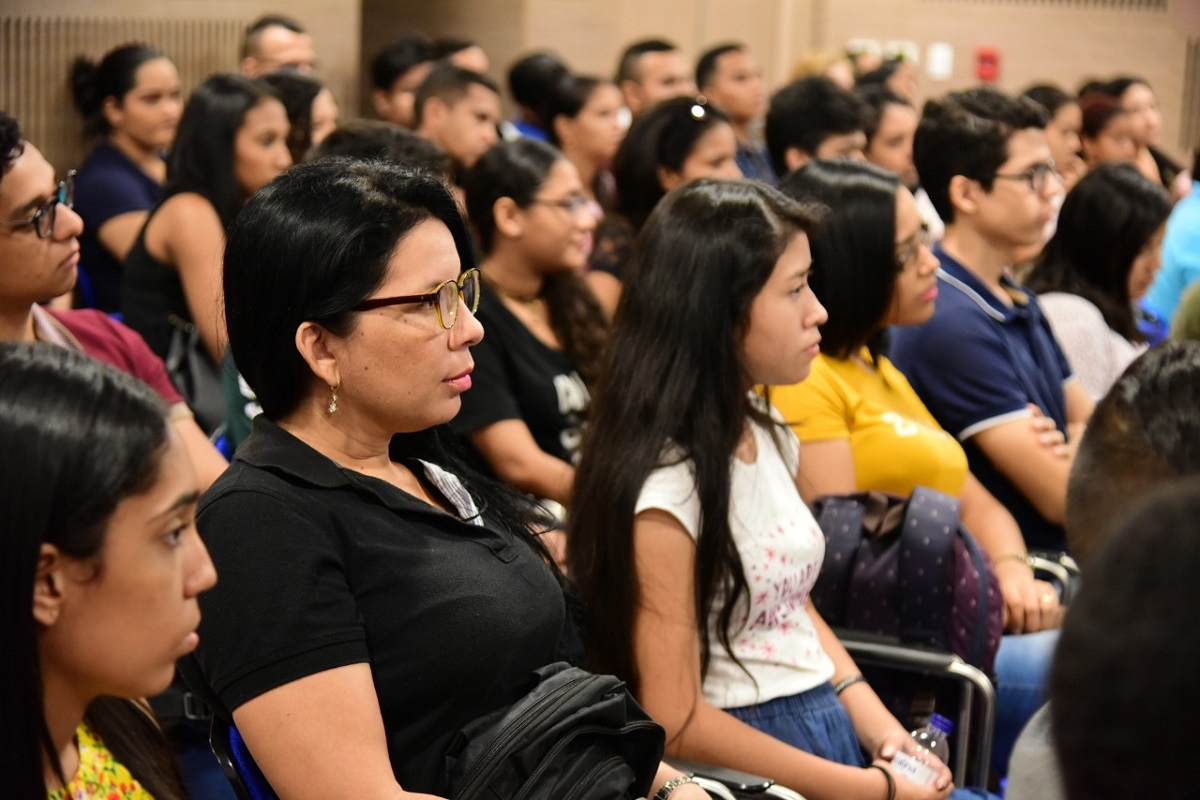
x: 813, y: 721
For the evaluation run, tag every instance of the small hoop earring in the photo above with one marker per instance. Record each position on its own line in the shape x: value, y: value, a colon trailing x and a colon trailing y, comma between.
x: 333, y: 406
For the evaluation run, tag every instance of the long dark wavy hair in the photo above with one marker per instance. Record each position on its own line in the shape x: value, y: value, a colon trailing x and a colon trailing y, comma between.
x: 517, y: 170
x: 78, y: 437
x: 1103, y: 225
x: 202, y: 158
x: 674, y: 380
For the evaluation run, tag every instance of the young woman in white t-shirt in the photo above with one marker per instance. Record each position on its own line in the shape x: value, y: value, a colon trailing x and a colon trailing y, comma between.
x: 689, y: 539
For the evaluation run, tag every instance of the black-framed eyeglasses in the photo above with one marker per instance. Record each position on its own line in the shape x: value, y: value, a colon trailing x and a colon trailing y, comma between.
x: 908, y: 250
x: 572, y: 204
x: 444, y: 298
x: 47, y: 213
x: 1035, y: 177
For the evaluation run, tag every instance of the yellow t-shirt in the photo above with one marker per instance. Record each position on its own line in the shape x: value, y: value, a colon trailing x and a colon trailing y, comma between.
x: 99, y: 777
x: 895, y: 441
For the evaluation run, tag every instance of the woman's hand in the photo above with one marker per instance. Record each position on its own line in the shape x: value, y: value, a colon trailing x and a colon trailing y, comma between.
x: 901, y: 741
x: 907, y: 790
x: 1029, y: 605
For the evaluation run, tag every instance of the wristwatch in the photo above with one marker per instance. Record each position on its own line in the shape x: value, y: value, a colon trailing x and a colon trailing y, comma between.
x: 672, y: 785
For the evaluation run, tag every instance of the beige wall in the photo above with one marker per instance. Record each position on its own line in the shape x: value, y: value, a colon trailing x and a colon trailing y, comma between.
x: 1059, y: 40
x: 202, y: 36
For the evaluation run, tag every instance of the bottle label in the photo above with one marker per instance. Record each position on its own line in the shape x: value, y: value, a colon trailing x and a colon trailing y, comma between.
x: 913, y: 768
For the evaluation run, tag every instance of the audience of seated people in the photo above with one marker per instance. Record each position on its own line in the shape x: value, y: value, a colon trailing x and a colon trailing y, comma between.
x: 1091, y: 275
x: 131, y: 103
x: 1010, y: 375
x: 986, y: 360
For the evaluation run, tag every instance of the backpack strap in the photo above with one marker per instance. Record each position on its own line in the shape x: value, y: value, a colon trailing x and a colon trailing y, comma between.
x: 841, y: 520
x: 927, y: 565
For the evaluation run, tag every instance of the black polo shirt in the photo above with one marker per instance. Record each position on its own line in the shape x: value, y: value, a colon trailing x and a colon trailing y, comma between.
x: 320, y: 567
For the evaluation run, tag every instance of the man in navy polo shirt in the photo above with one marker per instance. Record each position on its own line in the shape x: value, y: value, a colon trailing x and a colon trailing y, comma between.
x: 987, y: 358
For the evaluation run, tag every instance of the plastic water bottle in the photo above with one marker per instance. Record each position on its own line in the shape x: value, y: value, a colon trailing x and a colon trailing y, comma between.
x: 934, y: 739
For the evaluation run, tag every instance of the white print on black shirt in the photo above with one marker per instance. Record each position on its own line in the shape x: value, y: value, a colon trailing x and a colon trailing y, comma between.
x: 573, y: 399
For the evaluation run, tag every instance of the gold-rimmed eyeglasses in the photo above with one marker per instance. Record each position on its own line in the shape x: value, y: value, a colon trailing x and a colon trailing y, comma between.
x: 444, y: 299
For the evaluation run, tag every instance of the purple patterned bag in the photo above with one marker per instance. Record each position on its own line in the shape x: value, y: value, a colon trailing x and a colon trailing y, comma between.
x: 907, y: 568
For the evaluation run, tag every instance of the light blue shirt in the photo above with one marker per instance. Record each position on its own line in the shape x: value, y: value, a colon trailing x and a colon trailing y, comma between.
x: 1181, y: 256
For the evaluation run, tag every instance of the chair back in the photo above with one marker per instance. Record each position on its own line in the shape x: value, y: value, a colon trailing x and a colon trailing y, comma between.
x: 237, y: 763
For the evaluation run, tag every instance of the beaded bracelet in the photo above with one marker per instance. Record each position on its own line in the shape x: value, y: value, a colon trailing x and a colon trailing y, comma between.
x: 847, y: 682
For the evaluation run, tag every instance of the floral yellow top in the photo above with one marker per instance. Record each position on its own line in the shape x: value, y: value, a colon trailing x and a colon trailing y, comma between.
x: 100, y: 777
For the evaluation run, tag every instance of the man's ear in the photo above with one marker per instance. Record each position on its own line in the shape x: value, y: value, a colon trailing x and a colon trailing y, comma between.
x: 794, y: 158
x: 48, y: 585
x: 632, y: 92
x: 381, y: 102
x: 313, y: 343
x: 964, y: 195
x: 433, y: 115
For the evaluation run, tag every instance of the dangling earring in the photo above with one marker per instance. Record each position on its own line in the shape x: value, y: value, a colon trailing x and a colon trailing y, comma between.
x: 333, y: 406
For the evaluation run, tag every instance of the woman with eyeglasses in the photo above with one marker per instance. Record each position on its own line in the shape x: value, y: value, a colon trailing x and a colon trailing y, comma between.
x: 674, y: 143
x: 101, y: 567
x: 862, y: 426
x: 131, y: 102
x: 377, y: 594
x: 525, y: 413
x: 1100, y: 263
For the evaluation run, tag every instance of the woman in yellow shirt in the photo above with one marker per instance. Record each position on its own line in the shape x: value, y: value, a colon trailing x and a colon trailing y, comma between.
x: 861, y: 423
x: 100, y: 565
x: 863, y: 427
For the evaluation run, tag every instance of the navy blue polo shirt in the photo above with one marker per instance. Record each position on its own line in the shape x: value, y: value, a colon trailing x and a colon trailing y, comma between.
x: 976, y: 364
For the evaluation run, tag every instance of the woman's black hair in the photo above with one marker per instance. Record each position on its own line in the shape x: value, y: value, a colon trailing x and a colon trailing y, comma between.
x: 78, y: 437
x: 854, y: 252
x: 1103, y: 225
x: 114, y: 76
x: 297, y: 92
x: 674, y: 389
x: 1049, y: 97
x: 570, y: 95
x: 517, y: 170
x: 662, y: 137
x: 202, y: 158
x: 311, y: 246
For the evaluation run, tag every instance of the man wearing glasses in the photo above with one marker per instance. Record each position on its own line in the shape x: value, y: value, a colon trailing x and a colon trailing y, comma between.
x: 39, y: 258
x: 987, y: 360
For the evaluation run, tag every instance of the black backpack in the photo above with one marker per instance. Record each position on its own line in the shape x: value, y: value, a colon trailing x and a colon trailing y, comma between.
x: 573, y: 736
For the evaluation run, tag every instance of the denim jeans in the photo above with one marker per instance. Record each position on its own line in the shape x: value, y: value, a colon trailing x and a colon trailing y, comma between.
x: 1022, y: 669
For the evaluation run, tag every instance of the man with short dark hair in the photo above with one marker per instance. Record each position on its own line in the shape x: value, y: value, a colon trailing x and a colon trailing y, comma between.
x: 650, y: 71
x: 276, y: 42
x: 458, y: 110
x: 729, y: 76
x: 813, y: 118
x: 532, y: 81
x: 396, y: 72
x: 987, y: 359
